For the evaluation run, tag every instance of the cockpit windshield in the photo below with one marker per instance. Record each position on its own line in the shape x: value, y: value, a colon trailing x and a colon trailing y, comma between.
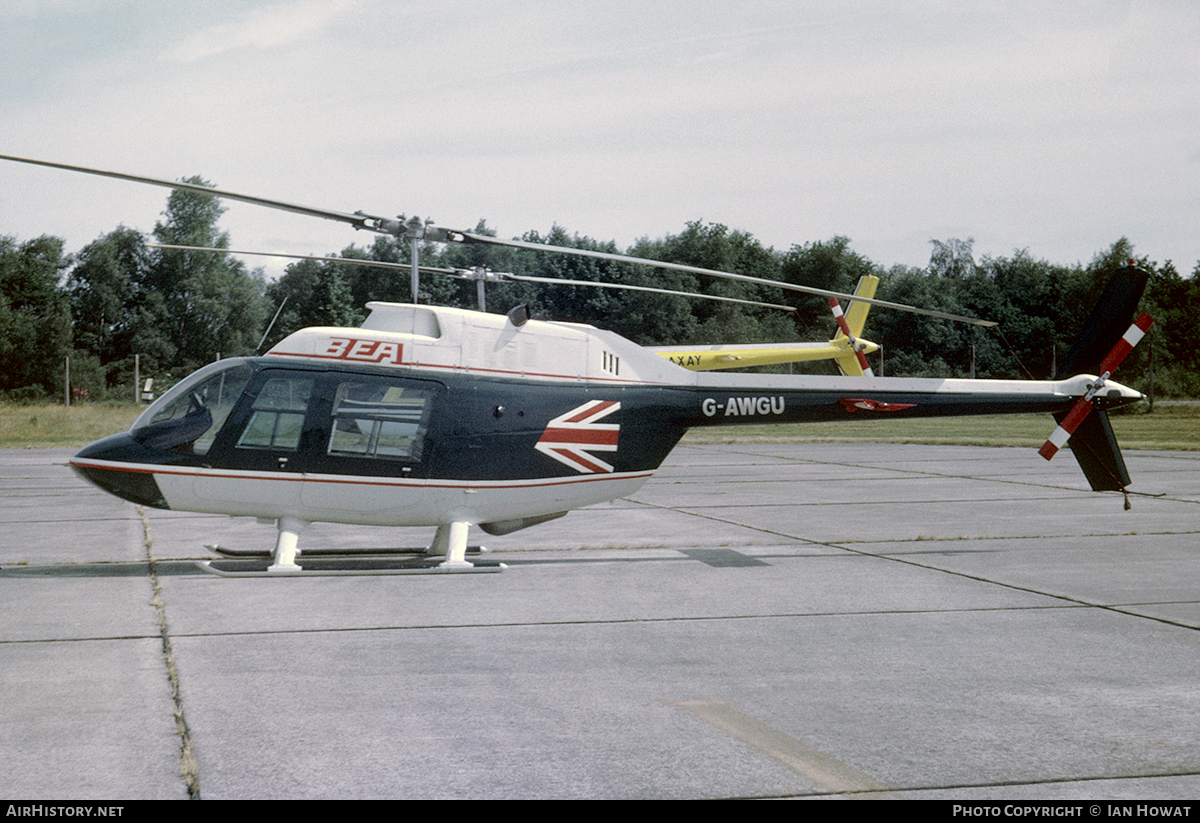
x: 194, y: 410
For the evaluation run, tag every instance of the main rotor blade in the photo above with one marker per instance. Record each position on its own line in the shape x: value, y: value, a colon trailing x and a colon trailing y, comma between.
x: 415, y: 228
x: 353, y: 261
x: 461, y: 273
x: 558, y: 281
x: 359, y: 220
x: 471, y: 237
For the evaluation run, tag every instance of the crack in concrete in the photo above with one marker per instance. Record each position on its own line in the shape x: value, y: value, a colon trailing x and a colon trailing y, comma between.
x: 189, y: 769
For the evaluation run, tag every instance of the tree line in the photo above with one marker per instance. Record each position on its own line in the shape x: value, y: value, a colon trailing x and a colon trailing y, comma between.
x: 121, y: 297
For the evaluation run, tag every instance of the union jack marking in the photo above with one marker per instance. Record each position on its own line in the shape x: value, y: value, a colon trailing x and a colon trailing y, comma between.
x: 570, y: 438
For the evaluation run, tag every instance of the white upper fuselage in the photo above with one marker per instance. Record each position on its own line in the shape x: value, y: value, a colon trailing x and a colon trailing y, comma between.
x: 457, y: 340
x: 442, y: 339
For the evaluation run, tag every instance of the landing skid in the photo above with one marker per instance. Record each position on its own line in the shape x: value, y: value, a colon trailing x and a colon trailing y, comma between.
x: 342, y: 567
x: 446, y: 555
x: 253, y: 554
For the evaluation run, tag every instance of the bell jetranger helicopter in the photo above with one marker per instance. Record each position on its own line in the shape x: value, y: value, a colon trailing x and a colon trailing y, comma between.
x: 448, y: 418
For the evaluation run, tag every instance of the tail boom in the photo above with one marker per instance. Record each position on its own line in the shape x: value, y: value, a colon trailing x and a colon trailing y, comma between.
x: 727, y: 399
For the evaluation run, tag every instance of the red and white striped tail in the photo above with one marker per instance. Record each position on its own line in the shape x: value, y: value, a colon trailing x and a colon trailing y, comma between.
x: 840, y: 317
x: 1083, y: 406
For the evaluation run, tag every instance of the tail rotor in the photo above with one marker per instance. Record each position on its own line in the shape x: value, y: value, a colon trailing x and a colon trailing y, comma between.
x: 1106, y: 340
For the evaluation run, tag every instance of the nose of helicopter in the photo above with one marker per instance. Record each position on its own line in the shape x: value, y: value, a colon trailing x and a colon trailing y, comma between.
x: 121, y: 466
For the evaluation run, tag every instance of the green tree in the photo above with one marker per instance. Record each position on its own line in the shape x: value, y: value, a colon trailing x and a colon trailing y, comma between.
x: 35, y: 317
x: 1174, y: 303
x: 317, y: 293
x: 952, y: 259
x: 110, y: 308
x: 715, y: 246
x: 1029, y: 299
x: 331, y: 302
x: 101, y: 286
x: 917, y: 345
x: 211, y: 304
x: 831, y: 265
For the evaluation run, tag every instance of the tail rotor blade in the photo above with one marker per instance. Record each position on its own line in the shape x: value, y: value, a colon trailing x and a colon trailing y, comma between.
x: 1125, y: 345
x: 1066, y: 428
x: 840, y: 317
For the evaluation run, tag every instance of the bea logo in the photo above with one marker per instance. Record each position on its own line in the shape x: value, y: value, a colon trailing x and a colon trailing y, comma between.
x: 364, y: 351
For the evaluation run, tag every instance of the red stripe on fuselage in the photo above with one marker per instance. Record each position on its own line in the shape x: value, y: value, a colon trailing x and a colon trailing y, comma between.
x: 357, y: 480
x: 580, y: 437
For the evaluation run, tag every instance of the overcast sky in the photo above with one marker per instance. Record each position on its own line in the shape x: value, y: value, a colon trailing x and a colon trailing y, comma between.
x: 1052, y: 126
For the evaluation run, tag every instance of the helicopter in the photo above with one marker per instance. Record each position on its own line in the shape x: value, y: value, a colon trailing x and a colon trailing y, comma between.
x: 451, y: 418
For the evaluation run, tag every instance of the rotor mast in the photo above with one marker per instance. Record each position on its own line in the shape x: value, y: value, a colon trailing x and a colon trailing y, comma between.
x: 415, y: 231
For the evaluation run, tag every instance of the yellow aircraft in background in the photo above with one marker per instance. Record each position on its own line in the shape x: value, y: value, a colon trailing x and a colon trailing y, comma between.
x: 847, y: 348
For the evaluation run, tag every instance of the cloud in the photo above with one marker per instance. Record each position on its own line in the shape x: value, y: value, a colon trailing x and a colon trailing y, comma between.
x: 269, y: 28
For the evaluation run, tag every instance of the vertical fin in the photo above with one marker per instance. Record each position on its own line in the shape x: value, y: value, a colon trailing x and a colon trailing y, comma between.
x: 856, y: 312
x: 1107, y: 322
x: 1095, y: 447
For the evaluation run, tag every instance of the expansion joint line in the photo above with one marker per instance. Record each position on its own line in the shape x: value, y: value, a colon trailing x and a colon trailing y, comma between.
x: 188, y: 767
x: 906, y: 561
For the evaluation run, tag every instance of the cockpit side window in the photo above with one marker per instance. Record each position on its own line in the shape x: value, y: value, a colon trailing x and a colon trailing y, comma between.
x: 190, y: 415
x: 379, y: 419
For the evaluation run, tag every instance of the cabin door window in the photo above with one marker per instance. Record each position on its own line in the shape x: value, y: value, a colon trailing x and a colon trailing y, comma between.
x: 277, y: 416
x: 377, y: 419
